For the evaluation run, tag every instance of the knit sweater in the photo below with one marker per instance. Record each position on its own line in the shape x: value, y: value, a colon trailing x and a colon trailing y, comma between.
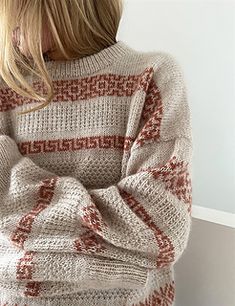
x: 96, y: 188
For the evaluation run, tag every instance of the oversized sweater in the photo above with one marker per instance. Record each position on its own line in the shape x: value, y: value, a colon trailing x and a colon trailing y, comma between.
x: 96, y: 187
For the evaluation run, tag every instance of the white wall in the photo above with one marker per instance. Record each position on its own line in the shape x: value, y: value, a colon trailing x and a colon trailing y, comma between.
x: 201, y: 35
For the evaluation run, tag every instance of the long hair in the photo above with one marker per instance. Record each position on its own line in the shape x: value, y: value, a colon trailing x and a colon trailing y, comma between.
x: 74, y: 28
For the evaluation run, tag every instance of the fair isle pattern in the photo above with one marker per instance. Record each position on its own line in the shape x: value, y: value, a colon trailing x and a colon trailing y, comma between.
x: 45, y: 194
x: 165, y: 248
x: 153, y: 101
x: 25, y: 269
x: 164, y: 296
x: 74, y: 144
x: 89, y: 242
x: 92, y: 218
x: 151, y: 115
x: 82, y: 89
x: 94, y: 233
x: 25, y: 266
x: 175, y: 175
x: 32, y: 289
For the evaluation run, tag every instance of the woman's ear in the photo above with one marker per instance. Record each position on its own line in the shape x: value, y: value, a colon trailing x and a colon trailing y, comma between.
x: 19, y: 41
x: 47, y: 42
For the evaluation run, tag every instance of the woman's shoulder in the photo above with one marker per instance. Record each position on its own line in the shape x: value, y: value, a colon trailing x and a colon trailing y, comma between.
x: 161, y: 61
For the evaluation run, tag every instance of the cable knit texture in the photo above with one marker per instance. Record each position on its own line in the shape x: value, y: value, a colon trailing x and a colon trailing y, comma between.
x: 96, y: 188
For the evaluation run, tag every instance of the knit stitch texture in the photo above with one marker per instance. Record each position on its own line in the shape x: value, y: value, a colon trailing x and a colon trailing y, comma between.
x: 96, y: 188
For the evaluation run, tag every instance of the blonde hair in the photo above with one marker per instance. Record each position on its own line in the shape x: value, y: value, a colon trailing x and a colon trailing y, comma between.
x: 78, y: 28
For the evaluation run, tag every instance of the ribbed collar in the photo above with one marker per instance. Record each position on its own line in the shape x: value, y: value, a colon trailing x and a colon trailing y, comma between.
x: 88, y: 64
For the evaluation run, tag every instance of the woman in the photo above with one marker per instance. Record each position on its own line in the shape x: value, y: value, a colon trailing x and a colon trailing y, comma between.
x: 95, y: 159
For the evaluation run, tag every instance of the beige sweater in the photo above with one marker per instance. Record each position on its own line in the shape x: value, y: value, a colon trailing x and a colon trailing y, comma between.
x: 96, y: 188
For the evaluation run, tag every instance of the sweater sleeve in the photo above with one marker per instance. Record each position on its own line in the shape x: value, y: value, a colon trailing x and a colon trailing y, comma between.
x: 143, y: 220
